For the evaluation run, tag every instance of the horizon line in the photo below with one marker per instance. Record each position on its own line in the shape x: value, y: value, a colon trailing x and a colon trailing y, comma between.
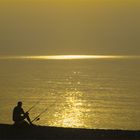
x: 67, y: 57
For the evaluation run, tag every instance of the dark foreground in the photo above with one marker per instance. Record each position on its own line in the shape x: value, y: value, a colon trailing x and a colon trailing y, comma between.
x: 8, y: 132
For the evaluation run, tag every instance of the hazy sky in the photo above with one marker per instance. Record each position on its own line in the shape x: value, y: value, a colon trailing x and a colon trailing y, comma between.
x: 49, y: 27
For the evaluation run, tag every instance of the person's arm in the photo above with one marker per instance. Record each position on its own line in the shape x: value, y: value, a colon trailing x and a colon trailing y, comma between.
x: 22, y: 111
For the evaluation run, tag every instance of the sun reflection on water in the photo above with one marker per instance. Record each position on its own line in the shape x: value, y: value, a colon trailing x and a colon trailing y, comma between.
x: 72, y: 113
x: 67, y: 57
x: 72, y: 116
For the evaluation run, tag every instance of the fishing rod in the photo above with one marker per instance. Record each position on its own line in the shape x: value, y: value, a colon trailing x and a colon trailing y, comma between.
x: 37, y: 117
x: 34, y: 105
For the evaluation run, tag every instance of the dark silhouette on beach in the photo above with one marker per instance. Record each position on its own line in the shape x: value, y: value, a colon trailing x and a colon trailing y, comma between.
x: 8, y: 132
x: 19, y: 116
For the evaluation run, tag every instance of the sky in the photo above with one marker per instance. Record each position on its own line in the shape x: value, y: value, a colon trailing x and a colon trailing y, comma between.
x: 69, y: 27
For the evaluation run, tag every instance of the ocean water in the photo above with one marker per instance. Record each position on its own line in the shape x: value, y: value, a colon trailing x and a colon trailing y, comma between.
x: 86, y: 93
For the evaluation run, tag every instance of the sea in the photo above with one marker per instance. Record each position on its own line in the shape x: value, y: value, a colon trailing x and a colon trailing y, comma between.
x: 78, y: 93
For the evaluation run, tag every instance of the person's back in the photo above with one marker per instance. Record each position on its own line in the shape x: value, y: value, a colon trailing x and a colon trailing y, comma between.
x: 19, y: 115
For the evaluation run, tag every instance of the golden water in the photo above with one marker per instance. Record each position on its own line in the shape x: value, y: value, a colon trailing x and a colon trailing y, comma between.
x: 78, y: 91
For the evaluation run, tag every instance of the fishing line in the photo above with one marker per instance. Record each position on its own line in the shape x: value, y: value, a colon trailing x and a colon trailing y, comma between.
x: 37, y: 117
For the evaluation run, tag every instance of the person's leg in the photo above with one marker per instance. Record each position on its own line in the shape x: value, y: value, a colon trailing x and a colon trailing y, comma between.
x: 19, y: 121
x: 28, y: 118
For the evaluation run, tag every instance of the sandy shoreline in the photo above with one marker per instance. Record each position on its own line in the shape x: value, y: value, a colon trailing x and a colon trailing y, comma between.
x: 8, y: 132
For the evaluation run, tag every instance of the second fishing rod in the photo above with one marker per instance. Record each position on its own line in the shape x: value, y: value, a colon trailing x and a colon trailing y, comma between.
x: 41, y: 113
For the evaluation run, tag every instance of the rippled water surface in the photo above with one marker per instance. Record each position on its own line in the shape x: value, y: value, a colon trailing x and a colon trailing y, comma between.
x: 86, y: 93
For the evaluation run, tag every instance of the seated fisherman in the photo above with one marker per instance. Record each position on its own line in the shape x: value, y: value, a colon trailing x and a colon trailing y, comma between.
x: 19, y: 115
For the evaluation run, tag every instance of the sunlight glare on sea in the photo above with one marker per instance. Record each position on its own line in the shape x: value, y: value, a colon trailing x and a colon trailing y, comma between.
x: 63, y: 57
x: 82, y: 91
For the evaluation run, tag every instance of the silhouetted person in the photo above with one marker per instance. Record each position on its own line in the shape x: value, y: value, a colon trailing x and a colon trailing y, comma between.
x: 19, y: 115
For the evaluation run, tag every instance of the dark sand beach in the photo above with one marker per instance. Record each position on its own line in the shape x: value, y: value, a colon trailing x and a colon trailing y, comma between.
x: 8, y: 132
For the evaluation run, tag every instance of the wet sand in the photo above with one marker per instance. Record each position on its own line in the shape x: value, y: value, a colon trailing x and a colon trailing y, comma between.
x: 8, y: 132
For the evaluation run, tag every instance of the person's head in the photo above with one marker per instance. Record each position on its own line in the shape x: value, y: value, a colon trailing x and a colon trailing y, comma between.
x: 19, y: 104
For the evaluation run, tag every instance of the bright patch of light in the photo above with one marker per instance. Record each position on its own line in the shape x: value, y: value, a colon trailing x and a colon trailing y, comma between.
x: 67, y: 57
